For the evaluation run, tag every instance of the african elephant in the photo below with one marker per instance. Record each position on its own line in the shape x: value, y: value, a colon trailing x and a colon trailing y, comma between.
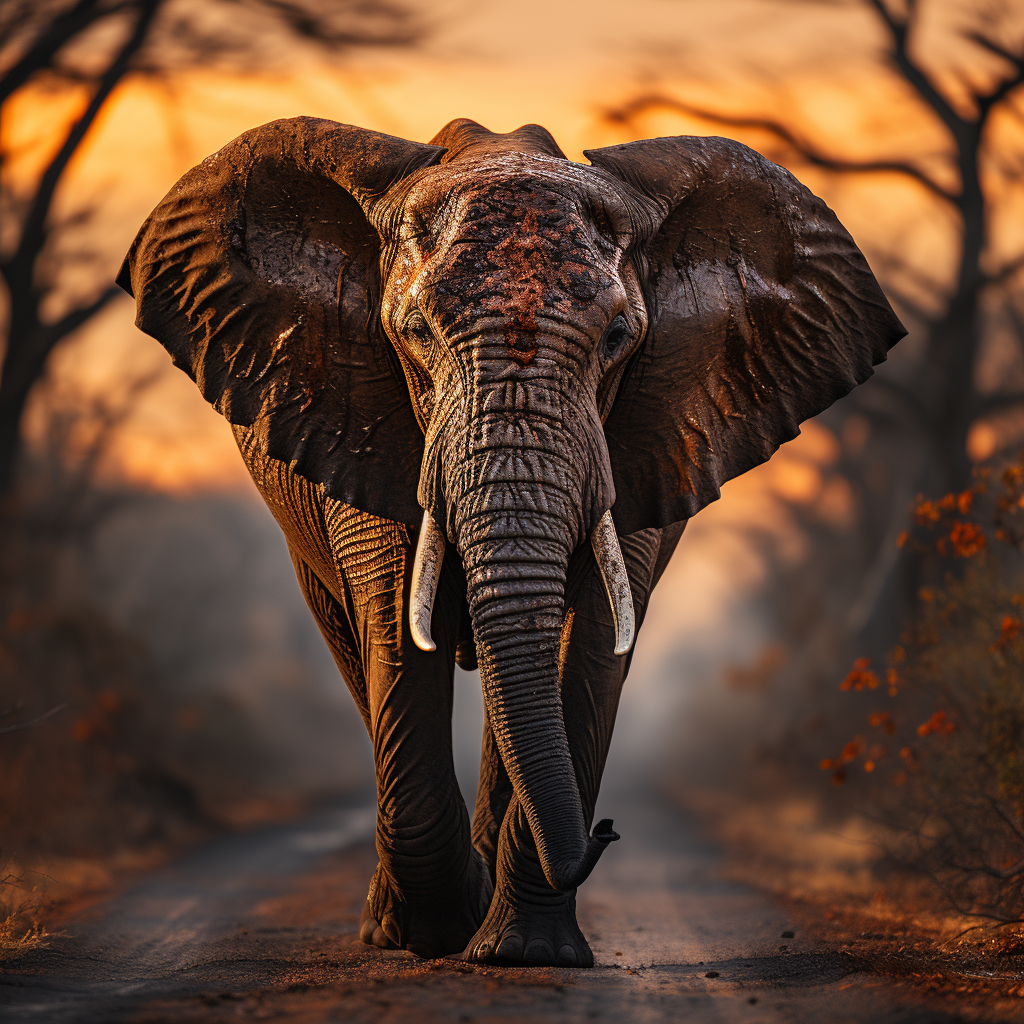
x: 450, y: 366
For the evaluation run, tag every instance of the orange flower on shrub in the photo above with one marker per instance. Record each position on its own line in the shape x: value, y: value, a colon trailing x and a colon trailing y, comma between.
x: 882, y: 720
x: 849, y: 753
x: 967, y: 540
x: 892, y: 678
x: 852, y: 749
x: 926, y: 512
x: 860, y: 676
x: 1010, y: 630
x: 938, y: 724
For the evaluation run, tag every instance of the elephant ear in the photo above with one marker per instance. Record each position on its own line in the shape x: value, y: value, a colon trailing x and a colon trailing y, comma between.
x: 258, y: 272
x: 762, y: 312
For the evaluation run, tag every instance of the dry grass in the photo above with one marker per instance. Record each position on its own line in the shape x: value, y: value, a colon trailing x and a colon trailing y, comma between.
x: 21, y: 906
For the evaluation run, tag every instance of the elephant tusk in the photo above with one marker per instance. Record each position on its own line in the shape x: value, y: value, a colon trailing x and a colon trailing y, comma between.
x: 426, y: 571
x: 616, y: 581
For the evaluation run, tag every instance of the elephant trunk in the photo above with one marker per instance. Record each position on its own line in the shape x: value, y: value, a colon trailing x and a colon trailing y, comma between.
x: 516, y: 521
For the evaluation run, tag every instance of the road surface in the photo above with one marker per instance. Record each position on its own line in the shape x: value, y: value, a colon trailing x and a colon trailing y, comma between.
x: 262, y: 926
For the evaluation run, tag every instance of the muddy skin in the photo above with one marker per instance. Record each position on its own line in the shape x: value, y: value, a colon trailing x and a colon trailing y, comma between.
x: 520, y: 348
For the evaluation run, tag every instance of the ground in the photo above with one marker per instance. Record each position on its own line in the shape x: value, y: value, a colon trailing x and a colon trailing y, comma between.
x: 263, y: 926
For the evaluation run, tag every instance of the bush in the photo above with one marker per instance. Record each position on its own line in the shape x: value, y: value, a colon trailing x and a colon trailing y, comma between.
x: 939, y: 753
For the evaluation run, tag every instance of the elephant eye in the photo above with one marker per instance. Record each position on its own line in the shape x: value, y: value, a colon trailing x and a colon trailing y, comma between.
x: 615, y: 334
x: 417, y: 327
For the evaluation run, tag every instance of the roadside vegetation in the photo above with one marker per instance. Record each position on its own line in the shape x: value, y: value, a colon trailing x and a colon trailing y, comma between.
x: 937, y: 754
x: 104, y: 766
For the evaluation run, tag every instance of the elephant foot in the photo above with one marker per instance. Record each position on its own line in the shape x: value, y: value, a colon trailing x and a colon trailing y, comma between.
x: 532, y: 935
x: 430, y: 925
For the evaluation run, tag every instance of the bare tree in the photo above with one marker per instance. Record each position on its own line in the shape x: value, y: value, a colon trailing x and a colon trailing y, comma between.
x: 942, y: 398
x: 96, y: 44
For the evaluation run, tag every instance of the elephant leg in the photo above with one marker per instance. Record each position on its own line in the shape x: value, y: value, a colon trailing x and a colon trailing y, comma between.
x: 431, y: 889
x: 529, y: 921
x: 336, y: 630
x: 493, y: 794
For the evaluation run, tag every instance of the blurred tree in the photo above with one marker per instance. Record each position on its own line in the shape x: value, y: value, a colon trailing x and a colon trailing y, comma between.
x: 983, y: 55
x: 93, y: 45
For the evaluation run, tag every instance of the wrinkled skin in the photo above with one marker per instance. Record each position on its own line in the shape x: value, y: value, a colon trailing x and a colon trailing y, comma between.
x: 538, y: 342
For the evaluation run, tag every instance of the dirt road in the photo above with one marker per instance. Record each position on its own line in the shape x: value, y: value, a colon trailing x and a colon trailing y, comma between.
x: 263, y: 926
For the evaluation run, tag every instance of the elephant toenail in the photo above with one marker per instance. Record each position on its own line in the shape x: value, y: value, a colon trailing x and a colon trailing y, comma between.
x: 567, y: 957
x: 391, y: 929
x: 539, y: 951
x: 510, y: 947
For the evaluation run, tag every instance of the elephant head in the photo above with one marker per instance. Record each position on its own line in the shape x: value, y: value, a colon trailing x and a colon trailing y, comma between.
x: 513, y: 352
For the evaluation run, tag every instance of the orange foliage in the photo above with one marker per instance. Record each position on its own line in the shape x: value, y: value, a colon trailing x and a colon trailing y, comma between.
x: 951, y: 536
x: 960, y: 539
x: 892, y: 678
x: 882, y: 720
x: 938, y: 724
x: 1010, y: 630
x: 966, y: 539
x: 860, y: 676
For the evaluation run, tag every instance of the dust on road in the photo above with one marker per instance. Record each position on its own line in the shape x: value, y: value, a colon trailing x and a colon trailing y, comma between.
x: 264, y: 926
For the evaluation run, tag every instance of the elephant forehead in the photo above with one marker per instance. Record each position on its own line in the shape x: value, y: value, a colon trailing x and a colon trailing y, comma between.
x: 517, y: 249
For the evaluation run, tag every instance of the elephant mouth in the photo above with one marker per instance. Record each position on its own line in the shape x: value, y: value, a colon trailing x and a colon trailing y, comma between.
x: 605, y: 543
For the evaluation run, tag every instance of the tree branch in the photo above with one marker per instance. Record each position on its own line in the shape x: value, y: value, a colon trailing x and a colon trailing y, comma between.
x: 33, y: 235
x: 35, y: 721
x: 52, y: 333
x: 993, y: 47
x: 63, y: 28
x: 1005, y: 272
x: 924, y: 88
x: 308, y: 25
x: 988, y: 404
x: 804, y: 148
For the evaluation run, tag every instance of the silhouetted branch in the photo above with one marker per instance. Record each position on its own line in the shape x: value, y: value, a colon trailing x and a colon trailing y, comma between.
x: 52, y: 333
x: 33, y: 234
x: 999, y: 400
x: 917, y: 277
x: 309, y: 25
x: 35, y: 721
x: 1016, y: 60
x: 910, y: 71
x: 803, y: 147
x: 63, y: 28
x: 1005, y: 272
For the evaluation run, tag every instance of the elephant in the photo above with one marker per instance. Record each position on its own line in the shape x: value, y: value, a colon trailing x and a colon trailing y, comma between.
x: 482, y: 388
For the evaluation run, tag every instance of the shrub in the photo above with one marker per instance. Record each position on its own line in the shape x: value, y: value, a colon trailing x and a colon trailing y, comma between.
x: 939, y: 755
